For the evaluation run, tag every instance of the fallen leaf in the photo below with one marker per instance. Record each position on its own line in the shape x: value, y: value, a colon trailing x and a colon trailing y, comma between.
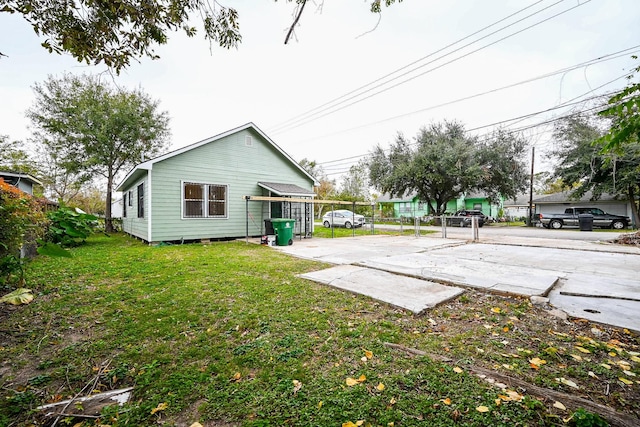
x: 17, y: 297
x: 629, y: 373
x: 161, y: 407
x: 626, y: 381
x: 537, y: 362
x: 496, y: 310
x: 297, y: 385
x: 505, y: 329
x: 514, y: 395
x: 567, y: 382
x: 446, y: 401
x: 624, y: 365
x: 592, y: 375
x: 196, y: 424
x: 362, y: 378
x: 488, y: 326
x: 368, y: 354
x: 364, y: 358
x: 237, y: 376
x: 635, y: 359
x: 392, y: 401
x: 482, y: 409
x: 582, y: 349
x: 613, y: 354
x: 380, y: 387
x: 457, y: 370
x: 320, y: 404
x: 604, y: 365
x: 433, y: 322
x: 559, y: 405
x: 576, y: 357
x: 507, y: 366
x: 351, y: 382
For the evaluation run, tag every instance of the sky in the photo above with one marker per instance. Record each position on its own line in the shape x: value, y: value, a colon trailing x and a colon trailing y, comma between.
x: 350, y: 80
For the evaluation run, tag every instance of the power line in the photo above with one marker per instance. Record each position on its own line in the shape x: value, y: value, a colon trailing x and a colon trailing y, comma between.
x: 603, y: 58
x: 511, y: 131
x: 284, y: 124
x: 329, y: 111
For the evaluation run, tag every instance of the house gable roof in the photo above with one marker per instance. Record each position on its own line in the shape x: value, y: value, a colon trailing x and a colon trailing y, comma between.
x: 565, y: 197
x: 18, y: 175
x: 386, y: 198
x: 286, y: 189
x: 141, y: 168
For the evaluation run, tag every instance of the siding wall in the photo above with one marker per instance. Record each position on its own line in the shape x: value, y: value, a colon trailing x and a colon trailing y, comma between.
x: 227, y: 161
x: 131, y: 223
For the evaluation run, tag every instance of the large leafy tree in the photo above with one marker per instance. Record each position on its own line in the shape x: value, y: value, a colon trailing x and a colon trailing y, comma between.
x: 15, y: 159
x: 444, y: 162
x: 624, y: 110
x: 355, y: 183
x: 115, y: 32
x: 584, y: 165
x: 95, y: 129
x: 327, y: 188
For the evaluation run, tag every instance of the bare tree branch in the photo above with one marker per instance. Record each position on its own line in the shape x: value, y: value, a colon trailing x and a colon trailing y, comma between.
x: 295, y: 21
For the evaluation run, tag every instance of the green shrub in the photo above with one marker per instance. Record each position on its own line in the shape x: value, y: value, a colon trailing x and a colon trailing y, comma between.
x: 70, y: 227
x: 21, y: 216
x: 584, y: 418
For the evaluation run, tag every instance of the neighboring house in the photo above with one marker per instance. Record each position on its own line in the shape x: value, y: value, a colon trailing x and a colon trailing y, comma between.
x: 116, y: 208
x: 411, y: 206
x: 518, y: 207
x: 198, y: 192
x: 558, y: 202
x: 23, y: 181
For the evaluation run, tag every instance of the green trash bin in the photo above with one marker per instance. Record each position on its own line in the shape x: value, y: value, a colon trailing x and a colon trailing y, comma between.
x: 284, y: 230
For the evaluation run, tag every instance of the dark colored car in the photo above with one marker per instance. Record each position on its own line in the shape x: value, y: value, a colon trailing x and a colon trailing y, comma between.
x: 463, y: 217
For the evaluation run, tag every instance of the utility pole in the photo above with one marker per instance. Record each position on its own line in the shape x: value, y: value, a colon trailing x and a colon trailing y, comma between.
x: 530, y: 220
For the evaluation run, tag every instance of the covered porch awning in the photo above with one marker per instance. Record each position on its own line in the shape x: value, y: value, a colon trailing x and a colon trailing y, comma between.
x: 290, y: 190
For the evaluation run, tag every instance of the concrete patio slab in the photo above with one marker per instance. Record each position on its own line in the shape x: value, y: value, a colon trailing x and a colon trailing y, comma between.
x: 609, y: 300
x: 507, y: 279
x: 593, y: 281
x: 354, y: 249
x: 405, y: 292
x: 560, y: 261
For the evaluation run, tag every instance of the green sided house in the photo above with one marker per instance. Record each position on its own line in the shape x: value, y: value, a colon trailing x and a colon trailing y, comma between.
x: 410, y: 206
x: 198, y: 192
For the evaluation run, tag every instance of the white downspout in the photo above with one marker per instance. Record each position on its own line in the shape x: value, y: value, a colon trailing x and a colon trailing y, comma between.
x: 149, y: 190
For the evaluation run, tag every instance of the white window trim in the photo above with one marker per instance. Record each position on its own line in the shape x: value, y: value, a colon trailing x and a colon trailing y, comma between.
x: 206, y: 201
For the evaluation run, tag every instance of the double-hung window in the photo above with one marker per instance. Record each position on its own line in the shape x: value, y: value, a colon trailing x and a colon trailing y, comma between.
x: 141, y: 200
x: 204, y: 200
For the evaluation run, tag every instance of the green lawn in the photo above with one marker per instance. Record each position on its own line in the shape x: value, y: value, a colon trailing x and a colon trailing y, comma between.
x: 322, y: 232
x: 226, y: 334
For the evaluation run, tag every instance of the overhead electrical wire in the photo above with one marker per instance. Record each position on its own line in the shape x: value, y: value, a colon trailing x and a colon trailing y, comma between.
x: 603, y: 58
x: 523, y: 128
x: 339, y: 107
x: 284, y: 124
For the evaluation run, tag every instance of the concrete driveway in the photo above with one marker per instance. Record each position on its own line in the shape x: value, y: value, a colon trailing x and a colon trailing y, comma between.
x: 589, y: 279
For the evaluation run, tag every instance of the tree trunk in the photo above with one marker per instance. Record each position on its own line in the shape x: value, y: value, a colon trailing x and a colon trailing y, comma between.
x: 635, y: 218
x: 108, y: 223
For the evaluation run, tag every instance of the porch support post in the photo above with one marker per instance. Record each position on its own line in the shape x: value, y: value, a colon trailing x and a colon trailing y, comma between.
x: 246, y: 216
